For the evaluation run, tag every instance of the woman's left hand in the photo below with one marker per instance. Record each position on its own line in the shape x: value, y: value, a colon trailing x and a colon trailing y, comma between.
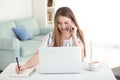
x: 73, y: 29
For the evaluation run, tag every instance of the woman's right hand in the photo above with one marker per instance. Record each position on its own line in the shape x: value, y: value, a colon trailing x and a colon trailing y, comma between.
x: 21, y: 69
x: 32, y: 62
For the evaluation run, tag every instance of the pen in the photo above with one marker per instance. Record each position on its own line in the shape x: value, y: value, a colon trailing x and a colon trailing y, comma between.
x: 18, y: 63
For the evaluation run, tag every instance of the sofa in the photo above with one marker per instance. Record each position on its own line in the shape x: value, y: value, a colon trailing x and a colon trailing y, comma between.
x: 12, y: 46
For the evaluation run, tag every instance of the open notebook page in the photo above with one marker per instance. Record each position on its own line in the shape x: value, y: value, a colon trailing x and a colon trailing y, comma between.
x: 26, y: 73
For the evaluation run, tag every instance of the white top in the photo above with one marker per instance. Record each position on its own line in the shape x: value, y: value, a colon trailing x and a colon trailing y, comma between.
x: 48, y: 41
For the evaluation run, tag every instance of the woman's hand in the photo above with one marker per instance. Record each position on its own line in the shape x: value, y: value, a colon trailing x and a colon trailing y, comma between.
x: 73, y: 29
x: 32, y: 62
x: 73, y: 32
x: 21, y: 69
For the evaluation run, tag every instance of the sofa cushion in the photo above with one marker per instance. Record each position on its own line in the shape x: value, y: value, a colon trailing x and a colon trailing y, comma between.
x: 44, y: 30
x: 30, y: 24
x: 22, y: 33
x: 9, y: 44
x: 38, y: 38
x: 29, y: 47
x: 6, y: 29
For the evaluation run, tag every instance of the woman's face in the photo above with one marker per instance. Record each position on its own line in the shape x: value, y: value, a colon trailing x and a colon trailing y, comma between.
x: 63, y: 24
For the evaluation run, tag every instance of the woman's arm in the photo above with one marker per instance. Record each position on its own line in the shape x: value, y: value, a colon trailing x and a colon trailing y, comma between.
x: 75, y: 38
x: 30, y: 63
x: 33, y: 61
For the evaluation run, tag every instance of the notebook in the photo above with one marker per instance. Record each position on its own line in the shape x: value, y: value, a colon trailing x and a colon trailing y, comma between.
x: 26, y: 73
x: 59, y: 60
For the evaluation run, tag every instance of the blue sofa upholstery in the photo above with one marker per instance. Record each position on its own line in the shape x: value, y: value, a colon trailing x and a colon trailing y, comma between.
x: 11, y: 46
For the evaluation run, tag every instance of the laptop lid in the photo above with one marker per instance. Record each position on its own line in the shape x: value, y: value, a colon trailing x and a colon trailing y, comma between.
x: 59, y: 60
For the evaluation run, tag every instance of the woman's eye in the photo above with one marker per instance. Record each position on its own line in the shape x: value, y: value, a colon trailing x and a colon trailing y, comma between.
x: 66, y: 23
x: 59, y: 23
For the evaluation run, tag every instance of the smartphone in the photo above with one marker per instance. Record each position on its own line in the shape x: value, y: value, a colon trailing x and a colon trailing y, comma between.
x: 70, y: 28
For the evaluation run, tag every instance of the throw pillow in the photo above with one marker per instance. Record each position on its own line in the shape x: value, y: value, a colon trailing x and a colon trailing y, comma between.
x: 22, y: 33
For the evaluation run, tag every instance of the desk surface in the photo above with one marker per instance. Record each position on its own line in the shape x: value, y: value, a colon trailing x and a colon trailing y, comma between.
x: 104, y: 73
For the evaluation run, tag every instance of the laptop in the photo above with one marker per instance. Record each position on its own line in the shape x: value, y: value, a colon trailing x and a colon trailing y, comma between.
x: 66, y: 60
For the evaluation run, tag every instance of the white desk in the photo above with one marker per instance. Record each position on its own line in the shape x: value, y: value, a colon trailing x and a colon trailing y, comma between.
x: 104, y: 73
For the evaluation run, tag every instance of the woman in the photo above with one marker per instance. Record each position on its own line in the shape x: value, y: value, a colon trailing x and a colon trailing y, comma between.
x: 66, y: 33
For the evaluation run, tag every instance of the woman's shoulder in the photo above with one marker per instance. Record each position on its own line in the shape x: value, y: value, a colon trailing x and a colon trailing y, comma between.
x: 48, y: 39
x: 50, y: 35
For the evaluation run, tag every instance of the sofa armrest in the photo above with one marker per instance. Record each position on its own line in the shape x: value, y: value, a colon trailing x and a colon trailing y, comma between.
x: 45, y: 30
x: 9, y: 43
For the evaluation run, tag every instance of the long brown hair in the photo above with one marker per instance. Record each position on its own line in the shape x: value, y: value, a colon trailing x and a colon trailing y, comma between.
x: 67, y: 12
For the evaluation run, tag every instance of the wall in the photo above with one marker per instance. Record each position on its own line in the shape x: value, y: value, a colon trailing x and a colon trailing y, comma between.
x: 14, y: 9
x: 40, y: 11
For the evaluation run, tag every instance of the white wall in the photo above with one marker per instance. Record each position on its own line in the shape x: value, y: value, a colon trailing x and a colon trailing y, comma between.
x: 40, y: 11
x: 14, y: 9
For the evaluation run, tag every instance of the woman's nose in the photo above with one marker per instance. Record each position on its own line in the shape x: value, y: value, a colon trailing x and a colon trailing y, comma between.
x: 63, y: 26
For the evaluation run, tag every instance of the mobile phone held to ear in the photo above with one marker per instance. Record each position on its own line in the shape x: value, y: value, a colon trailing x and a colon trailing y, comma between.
x: 71, y: 28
